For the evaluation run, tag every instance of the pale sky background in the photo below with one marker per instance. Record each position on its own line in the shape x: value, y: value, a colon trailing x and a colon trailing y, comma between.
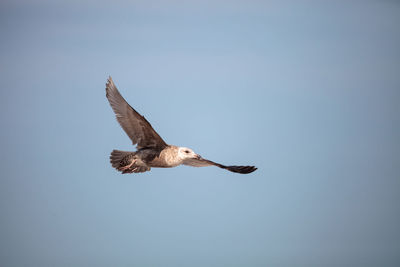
x: 308, y: 91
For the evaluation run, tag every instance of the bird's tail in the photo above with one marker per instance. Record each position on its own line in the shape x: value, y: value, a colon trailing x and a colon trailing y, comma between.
x: 127, y: 162
x: 117, y: 156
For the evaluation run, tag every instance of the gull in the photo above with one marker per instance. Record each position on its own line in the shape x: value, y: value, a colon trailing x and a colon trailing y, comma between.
x: 152, y: 151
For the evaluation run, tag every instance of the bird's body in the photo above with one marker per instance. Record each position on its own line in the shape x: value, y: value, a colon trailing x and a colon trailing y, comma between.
x: 144, y: 159
x: 152, y: 150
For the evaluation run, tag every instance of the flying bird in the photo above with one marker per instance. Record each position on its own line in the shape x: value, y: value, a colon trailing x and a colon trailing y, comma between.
x: 152, y: 151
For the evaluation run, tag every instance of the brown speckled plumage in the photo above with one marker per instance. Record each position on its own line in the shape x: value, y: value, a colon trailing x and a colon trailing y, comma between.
x: 152, y: 150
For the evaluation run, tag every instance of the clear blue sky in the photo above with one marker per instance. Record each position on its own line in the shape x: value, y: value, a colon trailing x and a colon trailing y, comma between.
x: 308, y: 91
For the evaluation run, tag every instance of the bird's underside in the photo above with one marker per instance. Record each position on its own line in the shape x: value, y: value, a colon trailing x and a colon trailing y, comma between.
x: 152, y: 150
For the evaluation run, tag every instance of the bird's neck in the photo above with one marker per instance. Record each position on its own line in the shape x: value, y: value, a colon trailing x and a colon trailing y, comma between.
x: 171, y: 155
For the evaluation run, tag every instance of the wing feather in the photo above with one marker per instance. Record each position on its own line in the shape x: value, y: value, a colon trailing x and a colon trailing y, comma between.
x: 201, y: 162
x: 135, y: 125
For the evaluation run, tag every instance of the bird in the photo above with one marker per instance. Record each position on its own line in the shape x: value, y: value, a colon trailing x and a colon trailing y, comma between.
x: 152, y: 151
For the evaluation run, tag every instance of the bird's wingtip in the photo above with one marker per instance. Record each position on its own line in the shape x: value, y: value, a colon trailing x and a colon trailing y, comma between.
x: 109, y: 83
x: 109, y: 80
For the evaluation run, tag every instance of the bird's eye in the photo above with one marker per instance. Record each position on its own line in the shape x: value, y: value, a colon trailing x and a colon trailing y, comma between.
x: 186, y: 151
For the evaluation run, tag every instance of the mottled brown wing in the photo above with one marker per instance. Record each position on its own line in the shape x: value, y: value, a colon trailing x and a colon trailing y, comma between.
x: 200, y: 162
x: 135, y: 125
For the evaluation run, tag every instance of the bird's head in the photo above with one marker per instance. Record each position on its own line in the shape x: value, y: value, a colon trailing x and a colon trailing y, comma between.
x: 185, y: 153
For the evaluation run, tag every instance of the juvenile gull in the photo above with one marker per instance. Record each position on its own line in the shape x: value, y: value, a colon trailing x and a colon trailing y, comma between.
x: 152, y: 151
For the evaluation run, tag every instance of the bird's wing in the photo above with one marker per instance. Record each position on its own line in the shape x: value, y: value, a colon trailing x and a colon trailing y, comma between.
x: 201, y: 162
x: 135, y: 125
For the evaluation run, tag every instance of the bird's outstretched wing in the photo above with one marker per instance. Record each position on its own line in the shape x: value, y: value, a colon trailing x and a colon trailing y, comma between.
x: 135, y: 125
x: 201, y: 162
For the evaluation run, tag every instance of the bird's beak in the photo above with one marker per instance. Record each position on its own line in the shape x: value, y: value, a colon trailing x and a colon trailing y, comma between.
x: 198, y: 156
